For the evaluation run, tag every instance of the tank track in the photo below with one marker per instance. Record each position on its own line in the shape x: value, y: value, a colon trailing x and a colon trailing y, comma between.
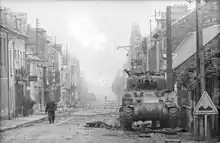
x: 125, y: 117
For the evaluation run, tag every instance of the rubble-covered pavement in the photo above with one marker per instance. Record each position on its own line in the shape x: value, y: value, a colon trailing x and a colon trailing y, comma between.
x: 80, y: 129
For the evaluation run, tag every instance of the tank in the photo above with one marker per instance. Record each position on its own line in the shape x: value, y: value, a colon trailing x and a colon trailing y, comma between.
x: 147, y: 99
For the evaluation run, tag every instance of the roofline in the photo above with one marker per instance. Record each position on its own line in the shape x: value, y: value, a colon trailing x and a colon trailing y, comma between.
x: 7, y: 28
x: 172, y: 24
x: 195, y: 52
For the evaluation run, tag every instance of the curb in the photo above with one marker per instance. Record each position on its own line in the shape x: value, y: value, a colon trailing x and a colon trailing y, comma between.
x: 27, y: 123
x: 21, y: 124
x: 30, y: 122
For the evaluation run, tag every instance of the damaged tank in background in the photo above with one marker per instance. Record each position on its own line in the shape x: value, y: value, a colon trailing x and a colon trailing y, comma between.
x: 147, y: 99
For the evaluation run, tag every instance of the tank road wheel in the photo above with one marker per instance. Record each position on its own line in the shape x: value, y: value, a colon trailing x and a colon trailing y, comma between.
x: 173, y: 117
x: 125, y: 115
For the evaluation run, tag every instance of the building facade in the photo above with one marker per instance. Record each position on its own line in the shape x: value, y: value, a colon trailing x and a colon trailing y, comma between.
x: 135, y: 52
x: 35, y: 82
x: 38, y: 42
x: 13, y: 66
x: 156, y: 44
x: 54, y: 67
x: 181, y: 27
x: 71, y: 73
x: 37, y: 46
x: 184, y: 47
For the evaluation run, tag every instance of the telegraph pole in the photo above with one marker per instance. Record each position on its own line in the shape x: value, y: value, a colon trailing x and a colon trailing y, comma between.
x: 54, y: 92
x: 158, y: 54
x: 169, y: 48
x: 8, y: 76
x: 37, y: 26
x: 200, y: 59
x: 66, y: 54
x: 148, y: 68
x: 44, y: 82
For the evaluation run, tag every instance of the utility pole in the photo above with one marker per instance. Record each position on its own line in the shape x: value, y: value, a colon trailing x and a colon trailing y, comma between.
x: 8, y: 76
x: 150, y: 47
x: 144, y: 48
x: 42, y: 89
x: 71, y: 84
x: 66, y: 54
x: 199, y: 60
x: 43, y: 86
x: 160, y: 19
x: 169, y: 48
x: 54, y: 72
x: 37, y: 27
x: 158, y: 54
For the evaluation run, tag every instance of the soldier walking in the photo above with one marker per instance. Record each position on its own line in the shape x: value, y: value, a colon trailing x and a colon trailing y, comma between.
x: 50, y: 109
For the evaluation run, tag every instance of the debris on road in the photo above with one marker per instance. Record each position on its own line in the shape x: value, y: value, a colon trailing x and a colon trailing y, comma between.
x: 96, y: 124
x: 142, y: 128
x: 109, y: 123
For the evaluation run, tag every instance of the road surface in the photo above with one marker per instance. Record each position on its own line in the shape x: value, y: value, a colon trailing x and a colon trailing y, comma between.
x: 71, y: 130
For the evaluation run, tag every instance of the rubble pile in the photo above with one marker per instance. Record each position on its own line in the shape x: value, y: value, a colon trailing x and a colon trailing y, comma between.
x: 109, y: 122
x: 142, y: 128
x: 28, y: 105
x: 37, y: 108
x: 62, y: 107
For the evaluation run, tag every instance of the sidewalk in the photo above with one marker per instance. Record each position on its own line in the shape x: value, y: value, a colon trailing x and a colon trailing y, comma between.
x: 24, y: 121
x: 19, y: 122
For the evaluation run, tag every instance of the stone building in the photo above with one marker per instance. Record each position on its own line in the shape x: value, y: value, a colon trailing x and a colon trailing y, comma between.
x: 13, y: 73
x: 35, y: 82
x: 54, y: 66
x: 71, y: 73
x: 184, y: 48
x: 37, y: 48
x: 135, y: 50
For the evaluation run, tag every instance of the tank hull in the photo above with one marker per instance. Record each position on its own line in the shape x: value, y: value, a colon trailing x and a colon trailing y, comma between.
x: 150, y: 111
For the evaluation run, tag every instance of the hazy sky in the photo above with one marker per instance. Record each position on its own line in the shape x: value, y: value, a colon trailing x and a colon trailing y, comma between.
x: 92, y: 31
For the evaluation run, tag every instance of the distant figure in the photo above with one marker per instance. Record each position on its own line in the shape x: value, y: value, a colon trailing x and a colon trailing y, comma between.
x: 50, y: 110
x: 105, y: 98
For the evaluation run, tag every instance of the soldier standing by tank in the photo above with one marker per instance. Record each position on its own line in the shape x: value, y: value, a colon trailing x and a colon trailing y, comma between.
x: 50, y: 109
